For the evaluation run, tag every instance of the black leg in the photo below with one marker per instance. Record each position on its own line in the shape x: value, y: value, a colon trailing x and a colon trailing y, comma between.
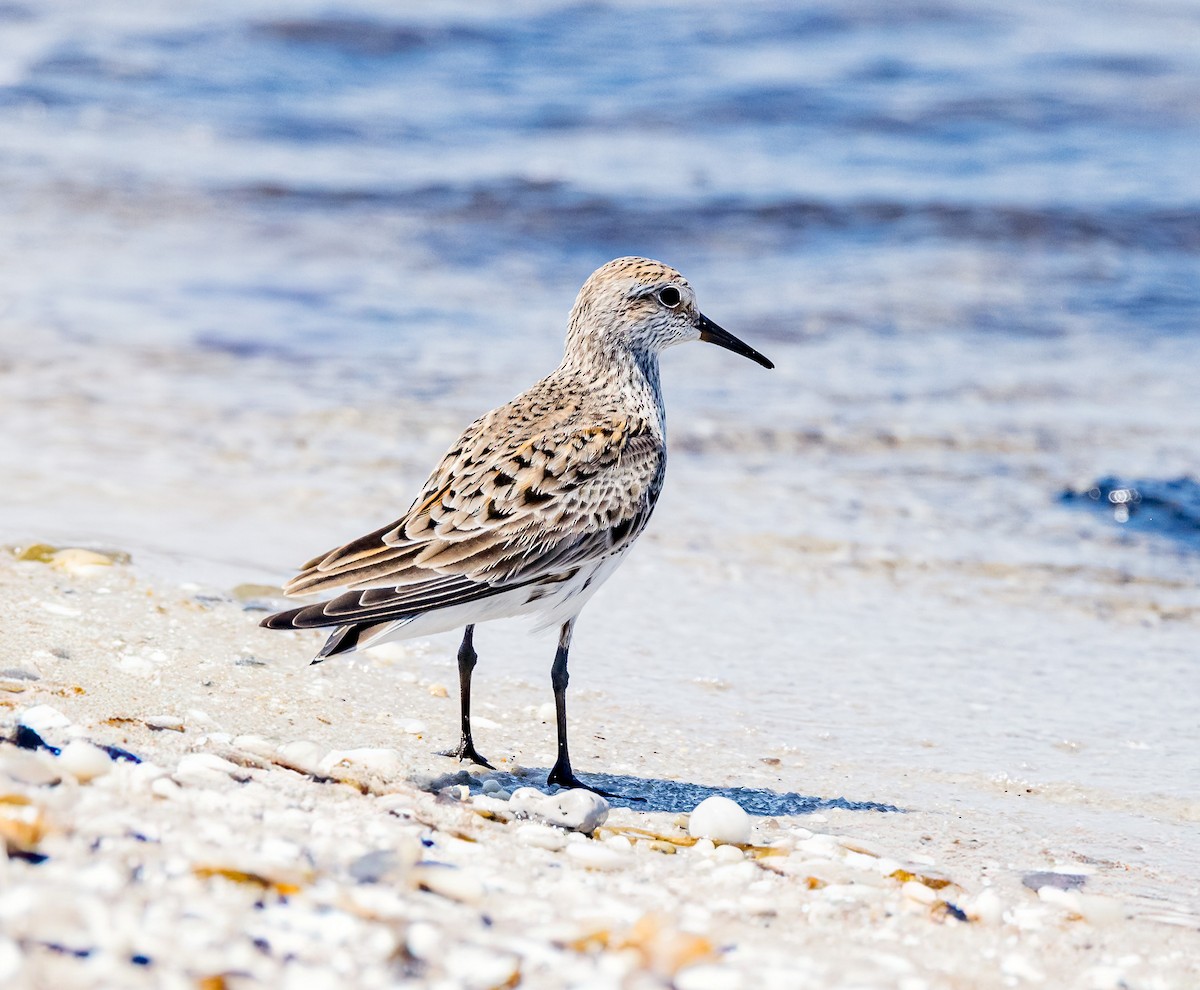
x: 466, y: 664
x: 562, y: 775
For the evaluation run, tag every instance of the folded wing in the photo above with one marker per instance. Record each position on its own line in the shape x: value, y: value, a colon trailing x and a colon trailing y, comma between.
x: 497, y: 514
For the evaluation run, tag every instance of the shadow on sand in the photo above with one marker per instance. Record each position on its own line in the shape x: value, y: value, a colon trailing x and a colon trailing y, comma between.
x: 649, y: 794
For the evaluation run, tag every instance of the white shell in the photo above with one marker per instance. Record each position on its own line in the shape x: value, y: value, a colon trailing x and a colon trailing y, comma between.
x: 43, y: 718
x: 302, y: 754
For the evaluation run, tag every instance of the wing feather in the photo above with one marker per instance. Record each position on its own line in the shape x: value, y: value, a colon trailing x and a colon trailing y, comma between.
x: 496, y: 513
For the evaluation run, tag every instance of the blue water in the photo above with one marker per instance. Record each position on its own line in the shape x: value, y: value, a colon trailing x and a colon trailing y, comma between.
x: 906, y: 205
x: 1054, y: 144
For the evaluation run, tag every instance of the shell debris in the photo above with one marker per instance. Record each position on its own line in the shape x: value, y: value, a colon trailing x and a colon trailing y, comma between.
x: 661, y: 946
x: 23, y: 824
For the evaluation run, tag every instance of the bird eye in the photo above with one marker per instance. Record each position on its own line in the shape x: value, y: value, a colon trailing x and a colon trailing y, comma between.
x: 669, y: 297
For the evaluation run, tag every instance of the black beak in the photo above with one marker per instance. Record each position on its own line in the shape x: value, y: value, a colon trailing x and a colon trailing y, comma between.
x: 714, y: 334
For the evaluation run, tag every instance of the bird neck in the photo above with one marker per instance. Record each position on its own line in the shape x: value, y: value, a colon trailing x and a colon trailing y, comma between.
x: 629, y: 376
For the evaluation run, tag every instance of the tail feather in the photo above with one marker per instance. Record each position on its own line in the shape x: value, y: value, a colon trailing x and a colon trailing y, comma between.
x: 356, y: 636
x: 344, y: 639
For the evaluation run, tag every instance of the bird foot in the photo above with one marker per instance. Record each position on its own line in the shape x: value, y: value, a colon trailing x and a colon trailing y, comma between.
x: 563, y: 776
x: 466, y: 751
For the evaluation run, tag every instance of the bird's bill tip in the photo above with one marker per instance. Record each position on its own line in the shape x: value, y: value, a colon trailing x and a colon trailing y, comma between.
x: 713, y: 334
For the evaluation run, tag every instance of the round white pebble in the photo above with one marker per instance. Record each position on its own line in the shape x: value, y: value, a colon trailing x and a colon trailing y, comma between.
x: 83, y: 761
x: 728, y: 854
x: 576, y: 809
x: 721, y: 820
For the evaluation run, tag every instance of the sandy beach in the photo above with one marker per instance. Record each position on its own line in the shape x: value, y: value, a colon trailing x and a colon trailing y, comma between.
x: 291, y: 826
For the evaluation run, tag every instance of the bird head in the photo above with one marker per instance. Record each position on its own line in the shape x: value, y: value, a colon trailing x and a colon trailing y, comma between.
x: 644, y: 306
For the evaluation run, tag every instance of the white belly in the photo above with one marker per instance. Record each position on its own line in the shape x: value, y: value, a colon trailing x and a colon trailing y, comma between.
x: 552, y: 604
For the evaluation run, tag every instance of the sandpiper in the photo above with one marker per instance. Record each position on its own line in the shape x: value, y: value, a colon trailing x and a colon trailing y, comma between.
x: 535, y: 504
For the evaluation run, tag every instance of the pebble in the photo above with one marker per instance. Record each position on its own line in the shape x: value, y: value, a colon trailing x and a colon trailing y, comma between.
x: 256, y: 746
x: 373, y: 866
x: 83, y: 761
x: 449, y: 882
x: 199, y: 717
x: 594, y: 856
x: 302, y: 755
x: 986, y: 907
x: 43, y: 719
x: 708, y: 977
x: 728, y: 854
x: 918, y: 892
x: 1017, y: 966
x: 825, y: 846
x: 621, y: 844
x: 383, y: 761
x: 61, y: 610
x: 413, y: 726
x: 736, y: 874
x: 38, y: 769
x: 423, y: 941
x: 10, y: 961
x: 22, y: 826
x: 79, y: 562
x: 203, y: 769
x: 1105, y: 978
x: 491, y: 804
x: 859, y: 846
x: 720, y: 819
x: 165, y: 787
x: 164, y: 723
x: 483, y: 969
x: 134, y: 665
x: 1093, y: 908
x: 389, y: 652
x: 541, y: 836
x: 1052, y: 878
x: 577, y: 809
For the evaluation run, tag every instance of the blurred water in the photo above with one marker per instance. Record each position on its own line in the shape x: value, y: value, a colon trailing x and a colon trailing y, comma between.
x: 245, y: 242
x: 279, y: 174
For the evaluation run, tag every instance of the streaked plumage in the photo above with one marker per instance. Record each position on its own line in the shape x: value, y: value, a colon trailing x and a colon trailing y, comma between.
x: 535, y: 504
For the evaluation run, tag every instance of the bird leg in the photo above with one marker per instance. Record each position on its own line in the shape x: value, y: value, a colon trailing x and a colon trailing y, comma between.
x: 562, y: 775
x: 467, y: 659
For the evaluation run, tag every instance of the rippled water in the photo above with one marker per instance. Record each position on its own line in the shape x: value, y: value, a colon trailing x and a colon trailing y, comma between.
x: 292, y: 177
x: 968, y: 234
